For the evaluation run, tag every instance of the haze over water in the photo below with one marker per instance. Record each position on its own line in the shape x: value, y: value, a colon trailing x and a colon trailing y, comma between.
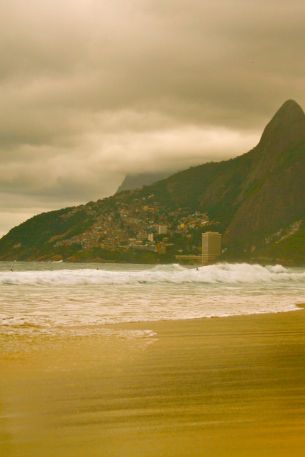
x: 56, y: 298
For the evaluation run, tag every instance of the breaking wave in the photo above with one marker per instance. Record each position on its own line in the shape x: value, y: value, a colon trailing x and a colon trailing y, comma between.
x: 220, y: 273
x: 79, y: 299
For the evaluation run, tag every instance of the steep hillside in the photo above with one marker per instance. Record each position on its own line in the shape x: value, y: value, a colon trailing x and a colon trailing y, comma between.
x: 254, y: 195
x: 256, y: 200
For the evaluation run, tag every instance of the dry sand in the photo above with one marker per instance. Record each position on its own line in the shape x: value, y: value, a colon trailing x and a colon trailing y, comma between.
x: 200, y: 388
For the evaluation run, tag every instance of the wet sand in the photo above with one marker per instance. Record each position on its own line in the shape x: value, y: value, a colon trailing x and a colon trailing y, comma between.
x: 199, y: 388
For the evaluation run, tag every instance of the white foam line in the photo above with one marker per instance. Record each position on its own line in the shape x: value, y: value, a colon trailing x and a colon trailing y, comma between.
x: 213, y: 274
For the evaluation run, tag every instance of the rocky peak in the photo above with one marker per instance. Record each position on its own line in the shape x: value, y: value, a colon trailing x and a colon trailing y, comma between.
x: 286, y: 128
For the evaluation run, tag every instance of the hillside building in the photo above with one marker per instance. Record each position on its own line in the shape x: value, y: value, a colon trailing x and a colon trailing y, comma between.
x: 150, y: 237
x: 211, y: 247
x: 162, y: 229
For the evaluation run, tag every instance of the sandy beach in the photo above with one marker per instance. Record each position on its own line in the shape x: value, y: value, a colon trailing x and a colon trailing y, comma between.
x: 205, y: 387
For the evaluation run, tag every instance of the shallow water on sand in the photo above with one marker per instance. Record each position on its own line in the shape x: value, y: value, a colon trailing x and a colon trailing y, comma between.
x: 76, y: 299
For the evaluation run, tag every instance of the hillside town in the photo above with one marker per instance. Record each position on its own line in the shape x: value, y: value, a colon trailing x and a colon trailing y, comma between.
x: 143, y: 226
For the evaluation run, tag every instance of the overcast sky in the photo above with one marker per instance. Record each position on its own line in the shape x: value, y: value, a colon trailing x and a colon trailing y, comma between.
x: 91, y: 90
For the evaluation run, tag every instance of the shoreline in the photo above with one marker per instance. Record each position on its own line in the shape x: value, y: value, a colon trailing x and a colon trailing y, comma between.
x: 97, y: 329
x: 141, y: 325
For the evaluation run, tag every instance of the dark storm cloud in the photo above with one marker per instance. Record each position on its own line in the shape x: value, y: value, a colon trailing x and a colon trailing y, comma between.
x: 91, y: 90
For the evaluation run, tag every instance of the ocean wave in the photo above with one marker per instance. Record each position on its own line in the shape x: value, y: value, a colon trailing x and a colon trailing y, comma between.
x: 219, y: 273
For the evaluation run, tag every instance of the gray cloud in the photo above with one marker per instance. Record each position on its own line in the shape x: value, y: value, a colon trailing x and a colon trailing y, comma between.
x: 91, y: 90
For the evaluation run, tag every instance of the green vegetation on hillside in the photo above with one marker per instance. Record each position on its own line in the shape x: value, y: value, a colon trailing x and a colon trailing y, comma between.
x: 250, y: 199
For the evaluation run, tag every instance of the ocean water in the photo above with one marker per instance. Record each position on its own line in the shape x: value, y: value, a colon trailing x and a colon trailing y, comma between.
x: 55, y: 298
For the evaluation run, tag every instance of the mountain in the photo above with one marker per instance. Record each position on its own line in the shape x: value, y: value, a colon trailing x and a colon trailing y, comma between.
x: 257, y: 195
x: 256, y: 200
x: 137, y: 181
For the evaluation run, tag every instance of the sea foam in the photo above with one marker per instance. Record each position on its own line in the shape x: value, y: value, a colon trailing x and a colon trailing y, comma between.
x: 219, y: 273
x: 81, y: 299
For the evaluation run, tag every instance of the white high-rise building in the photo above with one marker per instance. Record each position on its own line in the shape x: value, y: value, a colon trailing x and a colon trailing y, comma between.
x: 211, y: 247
